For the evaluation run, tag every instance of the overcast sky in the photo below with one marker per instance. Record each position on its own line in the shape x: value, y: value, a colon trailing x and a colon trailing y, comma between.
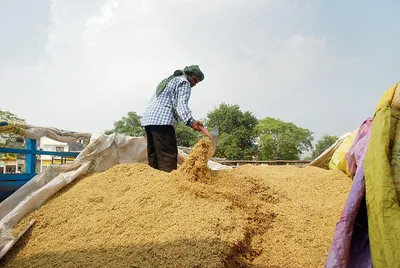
x: 83, y: 64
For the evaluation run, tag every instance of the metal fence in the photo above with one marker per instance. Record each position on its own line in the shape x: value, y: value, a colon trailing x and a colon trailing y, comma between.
x: 9, y: 183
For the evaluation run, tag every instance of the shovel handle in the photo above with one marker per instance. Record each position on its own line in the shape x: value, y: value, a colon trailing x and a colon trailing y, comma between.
x: 205, y: 131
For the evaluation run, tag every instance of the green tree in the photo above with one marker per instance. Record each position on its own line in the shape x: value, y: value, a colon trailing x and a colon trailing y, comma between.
x: 10, y: 140
x: 129, y: 126
x: 280, y: 140
x: 237, y: 131
x: 186, y: 136
x: 308, y: 158
x: 324, y: 143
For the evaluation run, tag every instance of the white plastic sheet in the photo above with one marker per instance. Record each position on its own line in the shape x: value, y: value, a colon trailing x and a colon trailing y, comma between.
x: 35, y: 132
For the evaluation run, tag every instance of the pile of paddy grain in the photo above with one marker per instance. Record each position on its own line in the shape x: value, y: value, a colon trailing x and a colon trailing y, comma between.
x: 135, y: 216
x: 195, y: 165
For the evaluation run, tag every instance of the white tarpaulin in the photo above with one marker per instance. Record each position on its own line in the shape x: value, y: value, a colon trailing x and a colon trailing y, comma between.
x: 34, y: 132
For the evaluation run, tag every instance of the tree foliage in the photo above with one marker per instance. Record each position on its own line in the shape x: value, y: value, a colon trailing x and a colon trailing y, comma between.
x: 186, y: 136
x: 322, y: 144
x: 129, y: 125
x: 10, y: 140
x: 280, y: 140
x: 237, y: 131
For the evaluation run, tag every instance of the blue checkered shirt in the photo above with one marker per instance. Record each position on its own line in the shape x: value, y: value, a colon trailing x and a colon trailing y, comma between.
x: 171, y: 106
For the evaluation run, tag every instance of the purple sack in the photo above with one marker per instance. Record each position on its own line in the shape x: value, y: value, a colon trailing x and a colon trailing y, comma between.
x: 350, y: 245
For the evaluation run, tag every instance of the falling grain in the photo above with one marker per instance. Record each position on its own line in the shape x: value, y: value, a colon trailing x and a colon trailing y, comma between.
x: 195, y: 166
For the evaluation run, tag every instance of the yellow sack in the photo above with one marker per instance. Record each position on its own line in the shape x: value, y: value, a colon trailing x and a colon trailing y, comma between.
x: 338, y: 160
x: 394, y: 141
x: 381, y: 197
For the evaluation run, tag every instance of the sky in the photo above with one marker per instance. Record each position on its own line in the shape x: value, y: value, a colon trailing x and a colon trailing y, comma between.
x: 82, y: 64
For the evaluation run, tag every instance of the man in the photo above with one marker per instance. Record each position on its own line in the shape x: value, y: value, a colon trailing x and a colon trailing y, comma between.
x: 167, y: 107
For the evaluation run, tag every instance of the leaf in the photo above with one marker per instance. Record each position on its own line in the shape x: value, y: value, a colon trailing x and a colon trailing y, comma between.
x: 324, y: 143
x: 281, y: 140
x: 129, y: 126
x: 10, y: 140
x: 237, y: 132
x: 186, y: 136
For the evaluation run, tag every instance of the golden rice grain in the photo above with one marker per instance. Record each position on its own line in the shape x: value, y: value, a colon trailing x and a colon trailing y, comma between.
x: 135, y: 216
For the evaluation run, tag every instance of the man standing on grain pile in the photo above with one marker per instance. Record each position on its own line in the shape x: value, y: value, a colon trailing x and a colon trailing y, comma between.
x: 167, y: 107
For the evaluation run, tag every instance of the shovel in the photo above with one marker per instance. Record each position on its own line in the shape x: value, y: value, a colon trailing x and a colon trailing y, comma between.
x: 213, y: 135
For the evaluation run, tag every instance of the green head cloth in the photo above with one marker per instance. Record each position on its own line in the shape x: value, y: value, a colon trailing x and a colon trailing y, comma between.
x: 188, y: 70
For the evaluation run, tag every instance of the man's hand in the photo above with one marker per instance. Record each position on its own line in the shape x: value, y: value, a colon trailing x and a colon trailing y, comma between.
x: 196, y: 125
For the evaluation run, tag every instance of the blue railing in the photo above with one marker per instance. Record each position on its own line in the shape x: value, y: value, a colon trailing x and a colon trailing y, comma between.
x: 9, y: 183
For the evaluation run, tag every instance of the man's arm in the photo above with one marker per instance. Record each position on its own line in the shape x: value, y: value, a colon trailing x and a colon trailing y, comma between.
x: 182, y: 109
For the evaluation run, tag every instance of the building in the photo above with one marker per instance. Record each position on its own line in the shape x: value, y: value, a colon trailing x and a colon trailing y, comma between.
x: 11, y: 163
x: 47, y: 144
